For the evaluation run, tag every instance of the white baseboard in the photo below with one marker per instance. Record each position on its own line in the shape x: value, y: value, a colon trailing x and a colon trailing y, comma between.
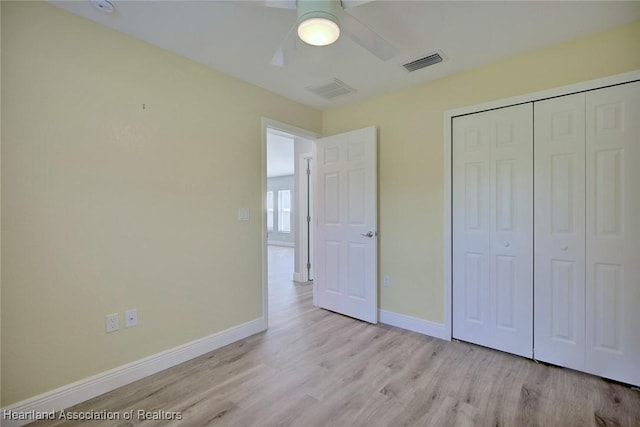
x: 421, y: 326
x: 278, y: 243
x: 85, y: 389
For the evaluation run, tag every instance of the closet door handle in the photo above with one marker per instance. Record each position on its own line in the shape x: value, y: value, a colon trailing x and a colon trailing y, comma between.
x: 506, y: 244
x: 565, y: 247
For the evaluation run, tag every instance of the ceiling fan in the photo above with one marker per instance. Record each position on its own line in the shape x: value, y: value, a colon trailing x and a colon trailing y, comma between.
x: 321, y: 23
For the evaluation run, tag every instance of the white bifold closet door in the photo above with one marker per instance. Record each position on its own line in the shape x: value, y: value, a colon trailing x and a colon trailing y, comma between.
x: 492, y: 229
x: 587, y: 237
x: 613, y: 232
x: 559, y: 238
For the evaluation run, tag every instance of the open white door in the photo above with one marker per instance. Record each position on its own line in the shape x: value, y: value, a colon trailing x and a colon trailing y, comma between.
x: 345, y: 226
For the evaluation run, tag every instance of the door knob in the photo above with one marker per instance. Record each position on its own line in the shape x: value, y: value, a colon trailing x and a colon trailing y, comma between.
x: 565, y: 247
x: 507, y: 244
x: 369, y: 234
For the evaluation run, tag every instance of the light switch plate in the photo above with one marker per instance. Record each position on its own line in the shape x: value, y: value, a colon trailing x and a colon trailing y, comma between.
x: 243, y: 214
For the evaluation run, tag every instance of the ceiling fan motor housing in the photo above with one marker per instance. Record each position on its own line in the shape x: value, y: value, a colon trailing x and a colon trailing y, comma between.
x: 318, y: 21
x: 327, y: 9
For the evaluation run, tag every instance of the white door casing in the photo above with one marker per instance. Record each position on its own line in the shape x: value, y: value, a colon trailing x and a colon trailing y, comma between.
x: 346, y: 222
x: 613, y: 232
x: 305, y: 211
x: 559, y: 240
x: 492, y: 229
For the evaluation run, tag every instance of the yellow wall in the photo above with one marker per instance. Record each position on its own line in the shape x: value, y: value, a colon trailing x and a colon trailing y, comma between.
x: 108, y: 206
x: 411, y: 172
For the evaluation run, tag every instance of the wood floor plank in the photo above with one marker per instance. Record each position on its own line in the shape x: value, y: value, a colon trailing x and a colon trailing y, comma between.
x: 317, y: 368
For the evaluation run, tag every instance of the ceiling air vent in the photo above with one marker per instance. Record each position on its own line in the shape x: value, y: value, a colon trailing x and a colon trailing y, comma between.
x: 423, y: 62
x: 331, y: 89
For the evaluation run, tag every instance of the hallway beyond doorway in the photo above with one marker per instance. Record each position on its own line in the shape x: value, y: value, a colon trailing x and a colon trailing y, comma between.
x: 282, y: 289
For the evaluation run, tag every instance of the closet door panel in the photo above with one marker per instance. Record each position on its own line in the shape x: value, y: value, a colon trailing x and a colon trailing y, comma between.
x: 559, y: 242
x: 613, y: 232
x: 511, y: 133
x: 471, y: 223
x: 492, y: 229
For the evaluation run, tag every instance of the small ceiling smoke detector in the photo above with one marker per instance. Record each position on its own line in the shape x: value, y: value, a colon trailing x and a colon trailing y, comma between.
x: 103, y: 5
x: 331, y: 89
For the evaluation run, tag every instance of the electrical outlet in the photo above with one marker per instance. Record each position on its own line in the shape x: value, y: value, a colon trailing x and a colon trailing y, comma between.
x: 130, y: 318
x: 112, y: 323
x: 385, y: 281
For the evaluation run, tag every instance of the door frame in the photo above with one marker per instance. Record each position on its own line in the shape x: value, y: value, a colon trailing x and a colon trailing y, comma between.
x: 267, y: 124
x: 448, y: 165
x: 304, y: 240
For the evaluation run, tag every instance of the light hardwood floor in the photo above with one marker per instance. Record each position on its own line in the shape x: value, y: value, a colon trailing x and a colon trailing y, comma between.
x: 316, y: 368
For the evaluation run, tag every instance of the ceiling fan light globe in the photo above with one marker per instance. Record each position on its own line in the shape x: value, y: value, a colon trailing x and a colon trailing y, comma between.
x: 318, y: 31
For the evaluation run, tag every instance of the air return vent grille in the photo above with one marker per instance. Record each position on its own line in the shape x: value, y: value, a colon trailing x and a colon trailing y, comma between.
x: 423, y: 62
x: 331, y: 89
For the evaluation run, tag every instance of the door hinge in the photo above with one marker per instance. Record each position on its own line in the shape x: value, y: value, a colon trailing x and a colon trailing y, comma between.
x: 308, y: 171
x: 308, y: 266
x: 308, y: 218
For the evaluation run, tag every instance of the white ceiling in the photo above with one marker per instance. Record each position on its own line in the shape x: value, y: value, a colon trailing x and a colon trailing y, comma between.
x: 240, y: 38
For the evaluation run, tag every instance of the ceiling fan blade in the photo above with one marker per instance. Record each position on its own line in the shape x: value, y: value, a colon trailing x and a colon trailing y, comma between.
x: 287, y: 49
x: 281, y: 4
x: 367, y: 38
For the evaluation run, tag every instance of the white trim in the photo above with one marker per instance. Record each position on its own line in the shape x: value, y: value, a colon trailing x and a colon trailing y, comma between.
x: 302, y: 236
x: 85, y: 389
x: 421, y: 326
x: 450, y: 114
x: 292, y: 130
x: 447, y: 227
x: 280, y: 243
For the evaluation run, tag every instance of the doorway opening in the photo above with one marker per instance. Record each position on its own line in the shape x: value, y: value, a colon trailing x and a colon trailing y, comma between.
x: 288, y: 207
